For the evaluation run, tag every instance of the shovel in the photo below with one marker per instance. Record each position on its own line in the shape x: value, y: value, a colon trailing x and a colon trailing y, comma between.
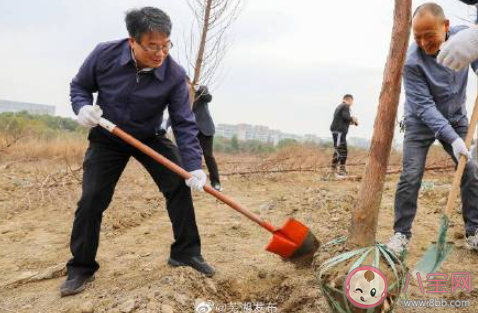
x: 437, y: 253
x: 293, y: 242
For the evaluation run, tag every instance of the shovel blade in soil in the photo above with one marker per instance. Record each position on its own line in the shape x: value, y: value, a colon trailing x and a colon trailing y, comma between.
x: 432, y: 260
x: 294, y: 242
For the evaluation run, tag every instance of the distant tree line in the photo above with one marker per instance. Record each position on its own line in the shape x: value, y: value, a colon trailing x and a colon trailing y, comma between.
x: 22, y: 124
x: 14, y: 126
x: 233, y: 145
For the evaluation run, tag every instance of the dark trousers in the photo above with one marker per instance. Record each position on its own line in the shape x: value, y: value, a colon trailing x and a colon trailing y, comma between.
x: 340, y: 148
x: 102, y: 167
x: 415, y: 149
x: 206, y: 143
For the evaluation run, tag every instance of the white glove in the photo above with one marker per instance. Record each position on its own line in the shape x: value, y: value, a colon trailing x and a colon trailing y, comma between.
x: 460, y: 50
x: 89, y: 115
x: 473, y: 151
x: 459, y: 148
x: 197, y: 181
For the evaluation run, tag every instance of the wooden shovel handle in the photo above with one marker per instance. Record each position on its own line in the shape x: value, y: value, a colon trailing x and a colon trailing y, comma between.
x: 184, y: 174
x: 463, y: 160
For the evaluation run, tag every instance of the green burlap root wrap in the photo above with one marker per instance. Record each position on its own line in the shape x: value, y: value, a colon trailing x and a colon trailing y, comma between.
x: 333, y: 263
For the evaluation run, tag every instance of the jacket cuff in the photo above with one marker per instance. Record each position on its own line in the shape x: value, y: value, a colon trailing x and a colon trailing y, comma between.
x: 449, y: 135
x: 193, y: 165
x: 77, y: 107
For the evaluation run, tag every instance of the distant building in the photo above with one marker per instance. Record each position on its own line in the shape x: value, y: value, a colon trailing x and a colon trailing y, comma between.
x: 226, y: 131
x: 261, y: 133
x: 32, y: 108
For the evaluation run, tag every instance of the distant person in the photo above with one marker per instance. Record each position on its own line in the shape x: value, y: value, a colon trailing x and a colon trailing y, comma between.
x: 435, y: 108
x: 135, y: 79
x: 339, y: 128
x: 163, y: 126
x: 206, y: 132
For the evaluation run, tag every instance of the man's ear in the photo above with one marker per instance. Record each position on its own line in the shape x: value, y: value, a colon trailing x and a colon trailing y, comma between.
x: 131, y: 41
x: 447, y: 25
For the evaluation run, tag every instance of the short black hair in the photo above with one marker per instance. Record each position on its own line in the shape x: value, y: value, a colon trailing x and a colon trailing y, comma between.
x: 348, y: 96
x: 140, y: 21
x: 430, y: 7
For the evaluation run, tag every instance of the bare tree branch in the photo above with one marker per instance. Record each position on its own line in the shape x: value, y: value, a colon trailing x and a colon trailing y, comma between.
x: 213, y: 19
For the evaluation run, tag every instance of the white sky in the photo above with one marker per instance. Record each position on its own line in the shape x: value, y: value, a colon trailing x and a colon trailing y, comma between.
x: 287, y: 67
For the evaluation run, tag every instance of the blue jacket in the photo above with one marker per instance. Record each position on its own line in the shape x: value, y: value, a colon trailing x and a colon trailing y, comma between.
x: 435, y: 96
x: 136, y: 101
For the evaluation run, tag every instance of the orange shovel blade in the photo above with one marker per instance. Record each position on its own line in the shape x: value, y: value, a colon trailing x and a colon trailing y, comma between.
x: 293, y: 240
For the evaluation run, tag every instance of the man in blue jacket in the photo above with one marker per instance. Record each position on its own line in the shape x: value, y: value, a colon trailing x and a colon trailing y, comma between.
x: 434, y: 109
x: 135, y: 79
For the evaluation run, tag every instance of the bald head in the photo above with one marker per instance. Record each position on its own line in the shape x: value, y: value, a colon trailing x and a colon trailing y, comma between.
x: 429, y: 8
x: 430, y: 27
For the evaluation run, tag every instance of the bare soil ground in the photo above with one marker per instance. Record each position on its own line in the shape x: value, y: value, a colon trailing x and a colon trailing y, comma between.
x: 38, y: 199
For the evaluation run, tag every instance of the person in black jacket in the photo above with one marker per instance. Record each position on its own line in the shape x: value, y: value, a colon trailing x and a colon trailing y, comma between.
x: 200, y: 108
x: 339, y: 128
x: 206, y: 132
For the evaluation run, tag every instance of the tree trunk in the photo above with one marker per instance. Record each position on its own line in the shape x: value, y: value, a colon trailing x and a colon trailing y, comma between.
x: 364, y: 222
x: 202, y: 43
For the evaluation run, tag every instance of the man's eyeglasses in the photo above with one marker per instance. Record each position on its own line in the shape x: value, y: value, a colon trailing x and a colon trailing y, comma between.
x: 156, y: 49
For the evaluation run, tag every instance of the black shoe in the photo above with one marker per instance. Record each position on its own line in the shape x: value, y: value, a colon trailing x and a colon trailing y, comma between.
x: 75, y: 285
x: 196, y: 262
x: 218, y: 187
x: 342, y: 173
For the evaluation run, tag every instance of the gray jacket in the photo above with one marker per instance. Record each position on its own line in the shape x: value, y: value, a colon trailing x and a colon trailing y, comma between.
x: 435, y: 96
x: 201, y: 111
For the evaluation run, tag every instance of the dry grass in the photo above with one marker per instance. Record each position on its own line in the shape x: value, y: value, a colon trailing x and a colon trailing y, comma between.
x: 66, y: 146
x: 71, y: 148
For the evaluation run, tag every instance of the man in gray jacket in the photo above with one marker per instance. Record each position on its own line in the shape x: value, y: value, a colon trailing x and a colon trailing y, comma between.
x: 434, y: 109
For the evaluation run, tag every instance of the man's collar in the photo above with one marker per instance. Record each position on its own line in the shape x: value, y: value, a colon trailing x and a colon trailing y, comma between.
x: 143, y: 70
x: 128, y: 56
x: 160, y: 72
x: 447, y: 35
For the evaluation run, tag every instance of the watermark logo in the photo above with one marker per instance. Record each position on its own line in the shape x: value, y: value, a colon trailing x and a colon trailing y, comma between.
x: 208, y: 306
x: 437, y: 282
x: 366, y: 287
x: 204, y: 306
